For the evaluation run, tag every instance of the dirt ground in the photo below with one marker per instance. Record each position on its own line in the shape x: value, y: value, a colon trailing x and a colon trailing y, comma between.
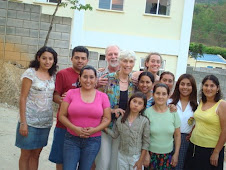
x: 9, y: 154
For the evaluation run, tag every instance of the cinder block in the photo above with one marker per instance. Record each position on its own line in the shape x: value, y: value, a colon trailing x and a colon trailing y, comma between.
x: 31, y: 24
x: 10, y: 30
x: 62, y: 66
x: 35, y: 8
x: 61, y: 44
x: 12, y: 55
x: 63, y: 28
x: 9, y: 47
x: 65, y: 36
x: 44, y: 26
x: 1, y: 46
x: 35, y: 17
x: 29, y: 41
x: 21, y: 48
x: 55, y: 35
x: 34, y: 33
x: 11, y: 14
x: 93, y: 63
x: 23, y: 15
x: 24, y: 57
x: 1, y: 55
x: 57, y: 50
x: 27, y: 7
x: 93, y: 55
x: 14, y: 22
x: 32, y: 49
x: 2, y: 13
x: 2, y: 29
x: 22, y: 32
x: 57, y: 20
x: 45, y: 18
x: 42, y: 41
x: 2, y: 21
x: 13, y: 39
x: 3, y: 4
x: 64, y: 52
x: 63, y: 60
x: 42, y: 34
x: 15, y: 6
x: 102, y: 64
x: 67, y: 21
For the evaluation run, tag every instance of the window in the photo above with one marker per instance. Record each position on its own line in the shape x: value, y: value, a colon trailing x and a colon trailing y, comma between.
x: 111, y: 4
x: 157, y: 7
x: 46, y: 1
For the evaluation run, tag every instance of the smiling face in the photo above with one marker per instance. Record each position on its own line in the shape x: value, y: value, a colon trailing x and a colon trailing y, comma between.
x: 126, y: 65
x: 168, y: 80
x: 46, y: 60
x: 112, y: 55
x: 145, y: 84
x: 79, y: 60
x: 160, y: 96
x: 136, y: 104
x: 185, y: 88
x: 210, y: 89
x: 88, y: 79
x: 154, y: 63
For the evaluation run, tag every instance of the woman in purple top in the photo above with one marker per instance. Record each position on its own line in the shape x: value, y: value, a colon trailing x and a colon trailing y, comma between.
x: 82, y: 112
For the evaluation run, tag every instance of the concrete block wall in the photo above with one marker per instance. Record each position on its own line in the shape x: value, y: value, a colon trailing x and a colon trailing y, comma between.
x: 200, y: 72
x: 23, y: 30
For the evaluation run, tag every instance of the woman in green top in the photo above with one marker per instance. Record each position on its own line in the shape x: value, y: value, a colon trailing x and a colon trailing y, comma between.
x: 164, y: 130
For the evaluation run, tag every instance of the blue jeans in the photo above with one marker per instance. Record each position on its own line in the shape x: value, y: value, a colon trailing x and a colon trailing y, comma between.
x: 80, y: 150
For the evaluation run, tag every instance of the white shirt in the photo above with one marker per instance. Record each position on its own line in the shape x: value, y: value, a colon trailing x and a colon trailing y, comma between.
x: 184, y: 116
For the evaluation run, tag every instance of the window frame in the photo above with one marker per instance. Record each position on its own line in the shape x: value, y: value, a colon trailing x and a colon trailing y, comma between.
x: 110, y: 9
x: 157, y: 9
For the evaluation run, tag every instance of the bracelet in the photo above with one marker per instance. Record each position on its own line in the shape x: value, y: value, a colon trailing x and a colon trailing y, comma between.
x: 22, y: 123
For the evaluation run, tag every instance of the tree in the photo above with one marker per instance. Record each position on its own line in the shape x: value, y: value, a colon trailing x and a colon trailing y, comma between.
x: 196, y: 51
x: 75, y: 5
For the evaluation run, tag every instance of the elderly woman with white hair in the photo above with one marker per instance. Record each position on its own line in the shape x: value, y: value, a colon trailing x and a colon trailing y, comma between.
x: 119, y: 89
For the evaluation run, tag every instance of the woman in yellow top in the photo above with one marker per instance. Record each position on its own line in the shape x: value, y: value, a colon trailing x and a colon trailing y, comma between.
x: 206, y: 148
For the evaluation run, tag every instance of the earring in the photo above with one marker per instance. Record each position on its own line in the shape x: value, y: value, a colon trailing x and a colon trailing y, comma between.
x: 217, y: 91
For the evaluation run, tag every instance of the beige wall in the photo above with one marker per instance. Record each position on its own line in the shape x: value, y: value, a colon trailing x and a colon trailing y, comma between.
x: 166, y: 27
x: 191, y: 61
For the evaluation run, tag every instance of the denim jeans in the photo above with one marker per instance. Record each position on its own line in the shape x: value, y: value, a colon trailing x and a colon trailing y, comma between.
x: 80, y: 150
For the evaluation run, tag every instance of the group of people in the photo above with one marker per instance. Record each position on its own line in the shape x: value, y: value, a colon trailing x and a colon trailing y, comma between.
x: 117, y: 119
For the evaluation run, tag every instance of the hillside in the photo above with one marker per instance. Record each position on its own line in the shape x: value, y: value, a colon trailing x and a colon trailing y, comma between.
x: 209, y: 23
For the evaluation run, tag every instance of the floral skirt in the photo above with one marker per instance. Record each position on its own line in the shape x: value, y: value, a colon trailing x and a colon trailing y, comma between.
x: 160, y: 161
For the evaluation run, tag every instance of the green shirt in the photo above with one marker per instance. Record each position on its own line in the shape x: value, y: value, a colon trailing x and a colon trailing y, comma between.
x: 162, y: 127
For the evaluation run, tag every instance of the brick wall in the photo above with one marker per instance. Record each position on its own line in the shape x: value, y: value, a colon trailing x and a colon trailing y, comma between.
x: 23, y: 30
x: 200, y: 72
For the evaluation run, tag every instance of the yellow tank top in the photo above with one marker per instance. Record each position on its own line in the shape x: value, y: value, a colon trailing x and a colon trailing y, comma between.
x: 207, y: 127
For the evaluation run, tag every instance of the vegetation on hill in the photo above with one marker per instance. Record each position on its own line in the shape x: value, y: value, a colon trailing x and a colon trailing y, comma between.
x: 209, y: 23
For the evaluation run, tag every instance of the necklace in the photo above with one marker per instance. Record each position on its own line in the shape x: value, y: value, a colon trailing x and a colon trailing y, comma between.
x: 123, y: 81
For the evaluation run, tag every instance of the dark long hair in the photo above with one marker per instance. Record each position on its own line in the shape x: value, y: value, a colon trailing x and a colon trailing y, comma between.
x: 127, y: 112
x: 36, y: 64
x: 147, y: 73
x: 86, y: 67
x: 193, y: 96
x: 215, y: 80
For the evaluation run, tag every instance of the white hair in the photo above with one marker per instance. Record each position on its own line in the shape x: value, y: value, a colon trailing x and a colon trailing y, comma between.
x: 127, y: 54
